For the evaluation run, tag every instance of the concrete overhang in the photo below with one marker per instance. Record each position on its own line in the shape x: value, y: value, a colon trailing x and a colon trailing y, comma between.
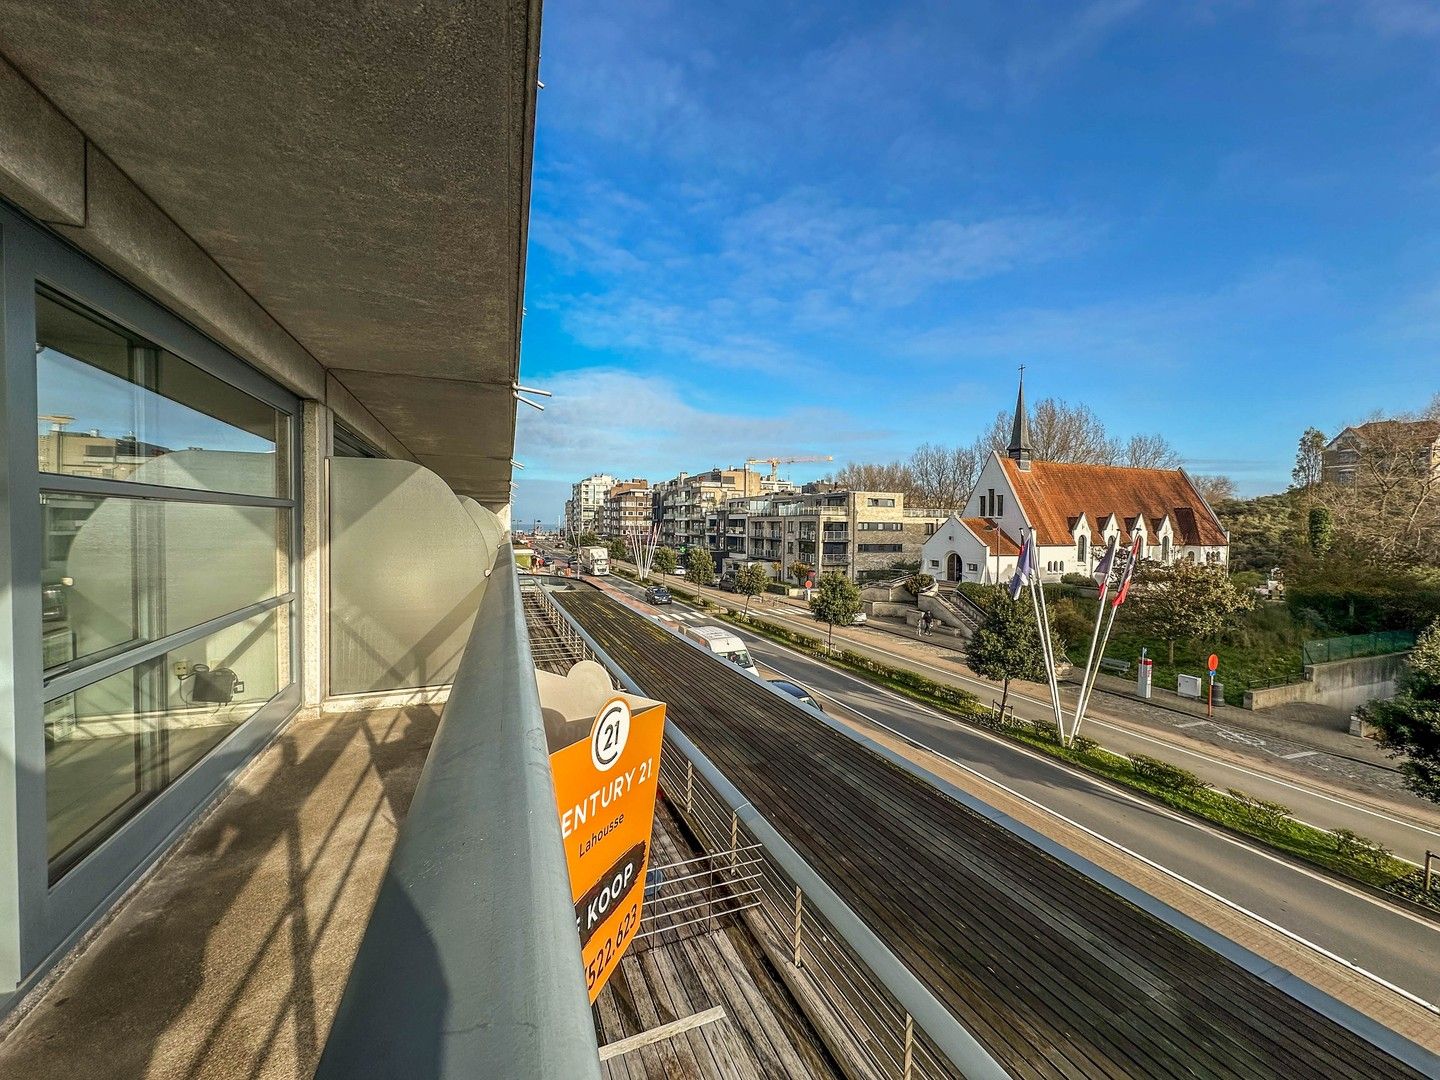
x: 362, y: 171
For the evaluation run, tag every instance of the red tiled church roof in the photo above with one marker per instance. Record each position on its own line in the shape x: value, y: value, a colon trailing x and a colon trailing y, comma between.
x: 992, y: 537
x: 1055, y: 494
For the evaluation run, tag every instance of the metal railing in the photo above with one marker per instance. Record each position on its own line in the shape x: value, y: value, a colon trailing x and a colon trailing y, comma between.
x: 470, y: 964
x: 1357, y: 645
x: 890, y: 1023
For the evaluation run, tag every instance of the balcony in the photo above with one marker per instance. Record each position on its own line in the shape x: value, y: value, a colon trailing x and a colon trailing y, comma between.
x: 832, y: 559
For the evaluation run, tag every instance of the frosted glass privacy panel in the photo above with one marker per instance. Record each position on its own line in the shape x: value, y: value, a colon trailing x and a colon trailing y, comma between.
x: 406, y: 575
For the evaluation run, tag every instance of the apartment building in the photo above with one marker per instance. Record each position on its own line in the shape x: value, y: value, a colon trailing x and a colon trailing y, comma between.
x: 627, y: 507
x: 582, y: 509
x: 859, y: 533
x: 685, y: 508
x: 1392, y: 449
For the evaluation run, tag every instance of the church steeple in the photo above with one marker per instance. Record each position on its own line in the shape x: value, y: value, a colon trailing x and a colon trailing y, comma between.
x: 1019, y: 450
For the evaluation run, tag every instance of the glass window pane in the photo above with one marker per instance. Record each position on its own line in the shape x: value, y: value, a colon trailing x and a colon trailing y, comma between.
x: 117, y: 571
x: 113, y: 746
x: 114, y: 406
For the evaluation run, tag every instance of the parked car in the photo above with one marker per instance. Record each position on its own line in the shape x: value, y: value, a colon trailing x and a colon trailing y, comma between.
x: 658, y: 594
x: 859, y: 619
x: 729, y: 582
x: 798, y: 692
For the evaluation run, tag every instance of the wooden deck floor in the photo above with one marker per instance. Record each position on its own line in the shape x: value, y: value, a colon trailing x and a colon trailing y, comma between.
x: 680, y: 973
x: 1055, y: 975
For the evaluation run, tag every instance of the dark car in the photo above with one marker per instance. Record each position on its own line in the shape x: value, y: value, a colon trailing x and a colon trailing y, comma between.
x: 729, y: 582
x: 658, y: 594
x: 798, y: 692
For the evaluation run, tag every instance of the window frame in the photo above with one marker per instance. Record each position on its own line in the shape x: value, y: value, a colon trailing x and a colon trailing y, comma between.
x: 48, y: 916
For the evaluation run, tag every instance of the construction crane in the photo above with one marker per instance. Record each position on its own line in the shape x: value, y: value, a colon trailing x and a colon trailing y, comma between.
x: 776, y: 462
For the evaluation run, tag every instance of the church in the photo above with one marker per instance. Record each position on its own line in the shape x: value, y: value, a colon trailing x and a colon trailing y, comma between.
x: 1073, y: 510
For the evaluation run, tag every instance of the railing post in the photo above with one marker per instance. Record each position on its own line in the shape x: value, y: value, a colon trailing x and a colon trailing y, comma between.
x: 799, y: 914
x: 689, y: 786
x: 734, y: 842
x: 1429, y: 871
x: 909, y: 1045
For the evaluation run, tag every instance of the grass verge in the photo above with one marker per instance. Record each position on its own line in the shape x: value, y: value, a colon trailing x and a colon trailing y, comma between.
x: 1268, y: 823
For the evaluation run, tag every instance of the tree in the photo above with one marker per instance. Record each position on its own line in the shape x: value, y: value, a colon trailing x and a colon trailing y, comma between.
x: 860, y: 476
x: 1007, y: 645
x: 750, y: 582
x: 944, y: 475
x: 1060, y: 431
x: 836, y: 600
x: 588, y: 539
x: 664, y: 561
x: 1321, y: 530
x: 1214, y: 489
x: 1146, y: 452
x: 618, y: 550
x: 801, y: 571
x: 701, y: 570
x: 1185, y: 600
x: 1309, y: 460
x: 1409, y: 723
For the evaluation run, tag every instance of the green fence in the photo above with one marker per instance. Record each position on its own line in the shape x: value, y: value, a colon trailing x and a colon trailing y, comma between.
x: 1347, y: 648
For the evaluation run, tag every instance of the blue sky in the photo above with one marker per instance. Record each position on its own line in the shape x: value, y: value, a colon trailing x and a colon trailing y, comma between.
x: 838, y: 228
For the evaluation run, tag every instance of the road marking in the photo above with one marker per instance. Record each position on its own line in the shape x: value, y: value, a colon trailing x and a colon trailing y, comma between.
x: 1268, y: 778
x: 1193, y: 723
x: 1109, y: 787
x: 1302, y: 753
x: 1147, y: 861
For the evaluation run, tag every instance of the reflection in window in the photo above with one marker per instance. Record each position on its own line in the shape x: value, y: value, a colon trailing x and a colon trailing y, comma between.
x: 115, y: 407
x: 118, y: 571
x: 113, y: 746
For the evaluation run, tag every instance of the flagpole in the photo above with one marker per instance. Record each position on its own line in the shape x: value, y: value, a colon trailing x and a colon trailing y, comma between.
x: 1084, y: 702
x: 1042, y: 616
x: 1042, y: 621
x: 1094, y: 638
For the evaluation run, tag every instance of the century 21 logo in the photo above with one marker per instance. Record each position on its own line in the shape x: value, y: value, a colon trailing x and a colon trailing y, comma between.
x: 610, y: 733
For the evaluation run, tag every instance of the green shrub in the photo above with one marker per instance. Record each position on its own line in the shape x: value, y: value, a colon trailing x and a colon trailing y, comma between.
x: 916, y: 584
x: 1078, y: 579
x: 1351, y: 845
x: 1269, y: 814
x: 1166, y: 775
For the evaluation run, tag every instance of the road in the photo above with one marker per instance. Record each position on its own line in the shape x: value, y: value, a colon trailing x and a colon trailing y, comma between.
x: 1388, y: 944
x: 1318, y: 804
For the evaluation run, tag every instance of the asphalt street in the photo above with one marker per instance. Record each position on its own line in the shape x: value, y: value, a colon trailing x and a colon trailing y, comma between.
x: 1386, y: 942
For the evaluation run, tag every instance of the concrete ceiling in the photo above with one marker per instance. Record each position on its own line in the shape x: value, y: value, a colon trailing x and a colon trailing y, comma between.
x: 361, y: 170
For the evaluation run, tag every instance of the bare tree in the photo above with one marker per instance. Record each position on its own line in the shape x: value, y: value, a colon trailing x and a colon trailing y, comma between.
x: 944, y: 475
x: 873, y: 476
x: 1214, y: 488
x: 1390, y: 513
x: 1060, y: 431
x: 1146, y: 452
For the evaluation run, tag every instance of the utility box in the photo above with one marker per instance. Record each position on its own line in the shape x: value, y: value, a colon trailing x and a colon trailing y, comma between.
x: 1189, y: 686
x: 1143, y: 679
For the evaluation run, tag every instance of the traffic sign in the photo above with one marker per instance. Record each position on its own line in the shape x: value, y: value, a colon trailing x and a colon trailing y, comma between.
x: 1214, y: 661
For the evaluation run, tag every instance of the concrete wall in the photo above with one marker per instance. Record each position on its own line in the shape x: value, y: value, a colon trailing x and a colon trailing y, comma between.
x: 1341, y: 684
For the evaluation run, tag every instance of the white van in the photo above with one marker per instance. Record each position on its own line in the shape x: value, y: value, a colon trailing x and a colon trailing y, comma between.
x: 722, y: 643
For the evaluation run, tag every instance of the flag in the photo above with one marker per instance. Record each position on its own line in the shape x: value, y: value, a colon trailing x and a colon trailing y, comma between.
x: 1024, y: 568
x: 1137, y: 552
x: 1104, y: 566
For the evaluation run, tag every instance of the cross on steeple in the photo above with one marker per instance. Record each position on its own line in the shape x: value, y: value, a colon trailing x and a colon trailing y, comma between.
x: 1020, y: 450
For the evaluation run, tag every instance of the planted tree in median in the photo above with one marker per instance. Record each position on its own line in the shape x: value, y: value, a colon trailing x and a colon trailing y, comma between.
x: 836, y: 600
x: 1409, y: 723
x: 618, y: 550
x: 665, y: 560
x: 1007, y: 646
x: 1186, y: 600
x: 701, y: 570
x: 750, y: 582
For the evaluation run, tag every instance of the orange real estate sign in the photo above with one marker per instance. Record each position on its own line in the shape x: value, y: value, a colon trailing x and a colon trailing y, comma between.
x: 605, y: 795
